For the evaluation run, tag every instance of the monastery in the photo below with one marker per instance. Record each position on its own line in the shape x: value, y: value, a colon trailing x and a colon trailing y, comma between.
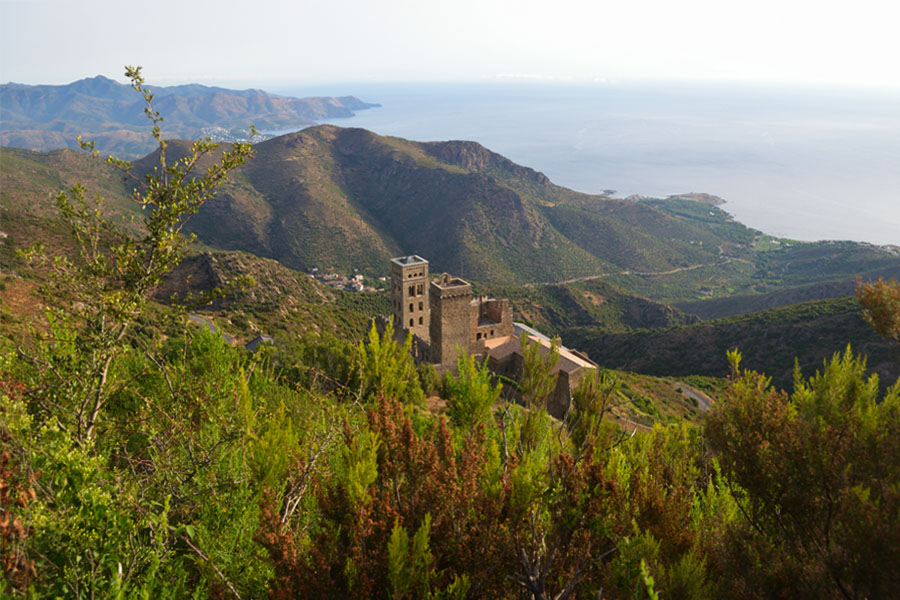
x: 442, y: 316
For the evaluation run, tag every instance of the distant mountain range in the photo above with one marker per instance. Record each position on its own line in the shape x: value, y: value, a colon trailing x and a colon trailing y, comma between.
x: 47, y: 117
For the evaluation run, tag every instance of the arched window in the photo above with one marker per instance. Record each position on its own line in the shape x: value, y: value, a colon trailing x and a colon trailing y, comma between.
x: 421, y: 322
x: 411, y: 322
x: 411, y: 307
x: 421, y: 306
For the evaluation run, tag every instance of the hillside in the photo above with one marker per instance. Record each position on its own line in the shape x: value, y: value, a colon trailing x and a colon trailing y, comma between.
x: 300, y: 468
x: 344, y: 199
x: 296, y: 310
x: 728, y: 306
x: 769, y: 341
x: 47, y: 117
x: 554, y: 308
x: 277, y: 302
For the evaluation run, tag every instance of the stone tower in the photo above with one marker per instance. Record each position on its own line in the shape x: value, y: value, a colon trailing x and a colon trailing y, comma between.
x: 409, y: 293
x: 451, y: 299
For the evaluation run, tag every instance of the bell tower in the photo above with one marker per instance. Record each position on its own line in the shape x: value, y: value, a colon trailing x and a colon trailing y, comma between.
x: 409, y: 295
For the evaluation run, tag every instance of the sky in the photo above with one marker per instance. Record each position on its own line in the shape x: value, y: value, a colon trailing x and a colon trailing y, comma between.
x: 258, y: 43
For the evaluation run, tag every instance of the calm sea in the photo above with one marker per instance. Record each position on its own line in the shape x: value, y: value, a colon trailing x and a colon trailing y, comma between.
x: 805, y: 164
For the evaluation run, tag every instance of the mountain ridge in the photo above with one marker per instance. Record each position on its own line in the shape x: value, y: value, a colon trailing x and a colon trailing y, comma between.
x: 45, y: 117
x: 346, y: 199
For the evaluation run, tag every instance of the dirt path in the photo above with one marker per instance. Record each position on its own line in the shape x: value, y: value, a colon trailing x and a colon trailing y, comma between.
x: 209, y: 323
x: 704, y: 402
x: 625, y: 272
x: 723, y: 261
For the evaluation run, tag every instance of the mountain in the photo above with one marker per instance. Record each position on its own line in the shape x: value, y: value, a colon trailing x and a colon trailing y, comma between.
x: 347, y: 198
x: 45, y: 117
x: 344, y: 199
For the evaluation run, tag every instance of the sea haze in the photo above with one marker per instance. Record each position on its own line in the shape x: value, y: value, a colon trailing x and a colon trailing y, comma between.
x: 800, y: 163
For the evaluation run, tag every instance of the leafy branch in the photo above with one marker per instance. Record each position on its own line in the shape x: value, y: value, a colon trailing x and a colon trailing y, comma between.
x: 108, y: 281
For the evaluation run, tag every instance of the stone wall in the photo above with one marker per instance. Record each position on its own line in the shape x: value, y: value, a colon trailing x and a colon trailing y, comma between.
x: 489, y: 318
x: 450, y: 315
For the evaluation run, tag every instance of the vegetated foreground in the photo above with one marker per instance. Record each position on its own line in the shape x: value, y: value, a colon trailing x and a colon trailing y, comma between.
x: 142, y: 456
x: 216, y: 471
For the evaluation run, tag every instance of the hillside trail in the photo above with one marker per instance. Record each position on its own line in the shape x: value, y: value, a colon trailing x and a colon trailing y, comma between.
x: 723, y: 261
x: 704, y: 401
x: 625, y: 272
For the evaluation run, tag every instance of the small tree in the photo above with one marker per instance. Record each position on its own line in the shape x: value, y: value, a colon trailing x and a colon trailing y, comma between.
x: 881, y: 304
x: 538, y: 378
x: 107, y: 283
x: 387, y: 368
x: 471, y: 395
x: 561, y: 508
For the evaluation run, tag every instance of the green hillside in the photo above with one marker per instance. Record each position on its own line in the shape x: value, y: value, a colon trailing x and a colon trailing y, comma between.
x: 727, y: 306
x: 145, y: 454
x: 148, y: 451
x: 346, y: 199
x: 769, y: 341
x: 555, y: 308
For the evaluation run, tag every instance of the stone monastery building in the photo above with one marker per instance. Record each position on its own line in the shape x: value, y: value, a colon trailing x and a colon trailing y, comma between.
x: 442, y: 315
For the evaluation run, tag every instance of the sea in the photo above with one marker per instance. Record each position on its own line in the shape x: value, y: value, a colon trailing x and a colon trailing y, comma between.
x: 800, y: 163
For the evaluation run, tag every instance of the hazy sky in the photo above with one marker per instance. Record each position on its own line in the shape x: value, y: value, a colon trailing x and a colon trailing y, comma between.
x: 256, y: 42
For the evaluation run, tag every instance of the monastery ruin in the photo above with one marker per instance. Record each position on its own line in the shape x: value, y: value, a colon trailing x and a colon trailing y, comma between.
x: 442, y: 316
